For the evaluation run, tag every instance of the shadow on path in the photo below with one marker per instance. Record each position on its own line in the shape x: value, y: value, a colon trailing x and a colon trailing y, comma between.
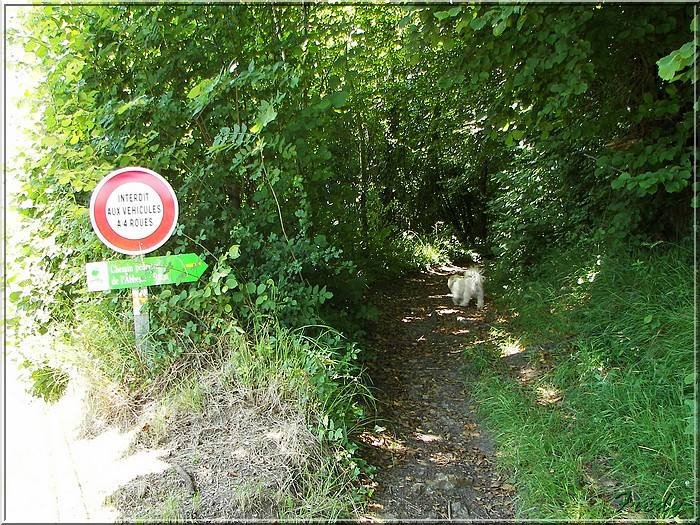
x: 433, y: 460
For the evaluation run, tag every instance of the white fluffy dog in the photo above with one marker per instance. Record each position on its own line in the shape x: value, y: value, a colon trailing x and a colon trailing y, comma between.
x: 464, y: 287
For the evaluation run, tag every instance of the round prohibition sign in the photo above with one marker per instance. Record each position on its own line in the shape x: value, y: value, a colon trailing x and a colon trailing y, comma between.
x: 133, y: 210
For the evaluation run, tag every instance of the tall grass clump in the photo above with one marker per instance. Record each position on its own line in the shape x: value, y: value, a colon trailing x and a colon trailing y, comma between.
x: 298, y: 386
x: 316, y: 369
x: 612, y: 335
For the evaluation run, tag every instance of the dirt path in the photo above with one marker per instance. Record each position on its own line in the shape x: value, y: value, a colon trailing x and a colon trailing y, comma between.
x: 433, y: 460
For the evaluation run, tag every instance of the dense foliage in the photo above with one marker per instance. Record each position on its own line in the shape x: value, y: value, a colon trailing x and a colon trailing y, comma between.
x: 301, y: 139
x: 314, y: 148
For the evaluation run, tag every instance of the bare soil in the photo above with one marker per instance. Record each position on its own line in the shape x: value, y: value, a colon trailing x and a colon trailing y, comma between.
x: 434, y: 461
x: 238, y: 458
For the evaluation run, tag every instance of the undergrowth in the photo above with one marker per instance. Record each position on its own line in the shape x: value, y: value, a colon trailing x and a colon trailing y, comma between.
x: 313, y: 371
x: 606, y: 429
x: 317, y: 370
x: 391, y: 253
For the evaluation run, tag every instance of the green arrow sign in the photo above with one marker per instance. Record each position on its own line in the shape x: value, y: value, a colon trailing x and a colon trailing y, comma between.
x: 144, y: 271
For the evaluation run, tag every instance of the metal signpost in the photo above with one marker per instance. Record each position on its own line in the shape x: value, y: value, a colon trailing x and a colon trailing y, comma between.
x: 134, y: 211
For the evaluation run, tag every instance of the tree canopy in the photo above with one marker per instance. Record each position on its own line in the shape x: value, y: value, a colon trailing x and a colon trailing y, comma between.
x: 303, y: 139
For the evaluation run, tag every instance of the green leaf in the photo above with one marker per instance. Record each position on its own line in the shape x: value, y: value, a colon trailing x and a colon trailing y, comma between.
x: 687, y: 51
x: 138, y: 101
x: 30, y: 45
x: 517, y: 134
x: 477, y: 24
x: 500, y: 27
x: 441, y: 15
x: 620, y: 181
x: 668, y: 66
x: 339, y: 98
x: 461, y: 25
x: 266, y: 115
x: 580, y: 88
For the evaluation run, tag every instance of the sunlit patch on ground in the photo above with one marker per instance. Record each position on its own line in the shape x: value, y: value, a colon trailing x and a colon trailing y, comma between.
x: 548, y: 395
x: 511, y: 347
x: 382, y: 440
x: 53, y: 476
x: 428, y: 438
x: 448, y: 311
x: 442, y: 458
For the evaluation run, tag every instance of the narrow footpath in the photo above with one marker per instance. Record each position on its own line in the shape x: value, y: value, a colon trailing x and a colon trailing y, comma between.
x: 433, y: 460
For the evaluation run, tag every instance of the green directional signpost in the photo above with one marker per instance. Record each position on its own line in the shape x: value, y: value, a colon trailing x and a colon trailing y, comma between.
x: 134, y: 211
x: 145, y: 271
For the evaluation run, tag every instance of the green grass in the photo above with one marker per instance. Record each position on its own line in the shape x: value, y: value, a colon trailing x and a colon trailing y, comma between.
x: 617, y: 443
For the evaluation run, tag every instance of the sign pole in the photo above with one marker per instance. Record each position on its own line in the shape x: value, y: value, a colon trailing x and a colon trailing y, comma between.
x: 141, y: 321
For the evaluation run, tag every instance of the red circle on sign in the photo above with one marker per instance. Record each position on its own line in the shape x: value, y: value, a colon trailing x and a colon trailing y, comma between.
x: 167, y: 216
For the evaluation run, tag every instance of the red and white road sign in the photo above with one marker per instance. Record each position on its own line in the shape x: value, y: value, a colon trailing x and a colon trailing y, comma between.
x: 133, y: 210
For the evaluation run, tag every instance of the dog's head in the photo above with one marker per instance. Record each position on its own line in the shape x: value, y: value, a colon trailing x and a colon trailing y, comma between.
x: 474, y: 273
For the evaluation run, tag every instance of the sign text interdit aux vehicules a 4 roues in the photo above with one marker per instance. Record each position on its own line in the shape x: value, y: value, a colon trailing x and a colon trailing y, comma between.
x: 133, y: 210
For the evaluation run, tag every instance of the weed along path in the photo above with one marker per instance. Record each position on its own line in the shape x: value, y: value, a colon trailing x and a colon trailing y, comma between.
x: 433, y: 460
